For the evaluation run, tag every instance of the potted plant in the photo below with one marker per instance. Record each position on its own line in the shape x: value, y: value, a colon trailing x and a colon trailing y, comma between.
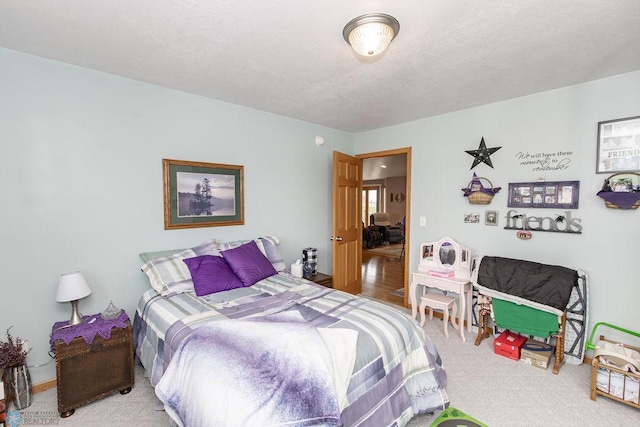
x: 13, y: 361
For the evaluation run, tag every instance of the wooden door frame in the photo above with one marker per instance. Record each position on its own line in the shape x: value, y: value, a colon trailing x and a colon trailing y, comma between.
x: 407, y: 200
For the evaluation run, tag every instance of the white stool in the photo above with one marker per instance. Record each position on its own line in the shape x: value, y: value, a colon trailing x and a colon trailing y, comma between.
x: 439, y: 302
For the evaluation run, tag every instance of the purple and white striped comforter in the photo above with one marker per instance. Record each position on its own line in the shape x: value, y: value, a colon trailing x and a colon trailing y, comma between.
x: 397, y: 371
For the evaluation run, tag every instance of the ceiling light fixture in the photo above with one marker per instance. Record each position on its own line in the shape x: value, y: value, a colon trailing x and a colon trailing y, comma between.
x: 371, y: 34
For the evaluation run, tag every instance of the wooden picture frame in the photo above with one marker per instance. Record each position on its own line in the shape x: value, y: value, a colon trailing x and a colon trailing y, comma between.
x: 491, y: 217
x: 544, y: 194
x: 198, y: 194
x: 618, y: 145
x: 471, y: 218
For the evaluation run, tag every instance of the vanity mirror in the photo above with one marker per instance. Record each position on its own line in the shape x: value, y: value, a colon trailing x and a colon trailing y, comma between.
x: 447, y: 254
x: 446, y: 258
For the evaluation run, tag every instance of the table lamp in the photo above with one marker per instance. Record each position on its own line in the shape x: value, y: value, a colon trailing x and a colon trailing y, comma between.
x: 71, y: 288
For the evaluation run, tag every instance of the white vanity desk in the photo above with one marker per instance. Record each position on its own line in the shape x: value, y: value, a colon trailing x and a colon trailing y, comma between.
x: 444, y: 265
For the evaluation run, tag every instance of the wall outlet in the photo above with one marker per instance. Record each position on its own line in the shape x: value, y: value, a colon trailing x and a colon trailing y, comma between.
x: 423, y: 221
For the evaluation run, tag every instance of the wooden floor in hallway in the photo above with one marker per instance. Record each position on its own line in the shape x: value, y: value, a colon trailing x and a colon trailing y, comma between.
x: 382, y: 275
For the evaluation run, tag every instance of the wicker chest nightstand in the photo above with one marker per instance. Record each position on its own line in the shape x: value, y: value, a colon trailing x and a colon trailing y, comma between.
x: 88, y: 372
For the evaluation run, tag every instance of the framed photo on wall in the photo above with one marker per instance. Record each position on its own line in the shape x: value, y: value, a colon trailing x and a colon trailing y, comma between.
x: 491, y: 217
x: 200, y: 194
x: 619, y: 145
x: 472, y: 218
x: 547, y: 194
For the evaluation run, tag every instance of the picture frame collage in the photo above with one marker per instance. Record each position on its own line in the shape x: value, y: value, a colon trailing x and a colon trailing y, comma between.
x: 544, y: 194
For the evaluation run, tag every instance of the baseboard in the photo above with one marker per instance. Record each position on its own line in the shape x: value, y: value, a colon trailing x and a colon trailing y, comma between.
x: 43, y: 386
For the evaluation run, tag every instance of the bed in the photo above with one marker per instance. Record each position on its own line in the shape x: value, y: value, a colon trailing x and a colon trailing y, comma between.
x: 281, y: 351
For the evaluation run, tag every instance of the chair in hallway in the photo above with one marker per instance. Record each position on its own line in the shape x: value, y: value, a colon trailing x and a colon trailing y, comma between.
x: 391, y: 233
x: 402, y: 230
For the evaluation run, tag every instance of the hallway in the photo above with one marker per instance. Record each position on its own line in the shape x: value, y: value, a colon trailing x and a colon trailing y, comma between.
x: 380, y: 277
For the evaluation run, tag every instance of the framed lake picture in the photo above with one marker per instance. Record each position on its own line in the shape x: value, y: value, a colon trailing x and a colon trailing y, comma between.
x: 200, y: 194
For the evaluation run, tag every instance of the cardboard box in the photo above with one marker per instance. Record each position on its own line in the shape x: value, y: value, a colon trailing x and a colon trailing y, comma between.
x: 536, y: 353
x: 508, y: 344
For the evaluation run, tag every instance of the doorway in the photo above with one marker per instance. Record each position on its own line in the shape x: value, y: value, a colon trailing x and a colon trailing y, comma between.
x: 387, y: 174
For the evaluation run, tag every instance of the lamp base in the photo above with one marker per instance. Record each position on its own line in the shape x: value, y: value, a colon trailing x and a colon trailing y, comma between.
x: 76, y: 317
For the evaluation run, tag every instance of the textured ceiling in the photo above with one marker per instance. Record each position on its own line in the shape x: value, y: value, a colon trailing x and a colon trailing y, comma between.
x: 384, y: 167
x: 288, y: 57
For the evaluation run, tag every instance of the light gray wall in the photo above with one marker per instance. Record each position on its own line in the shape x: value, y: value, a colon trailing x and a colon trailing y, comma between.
x: 81, y: 185
x: 560, y: 120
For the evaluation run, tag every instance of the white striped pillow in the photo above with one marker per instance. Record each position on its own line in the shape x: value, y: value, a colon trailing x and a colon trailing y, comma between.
x: 170, y: 274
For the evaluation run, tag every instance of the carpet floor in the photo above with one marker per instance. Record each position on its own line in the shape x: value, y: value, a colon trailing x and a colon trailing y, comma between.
x: 492, y: 389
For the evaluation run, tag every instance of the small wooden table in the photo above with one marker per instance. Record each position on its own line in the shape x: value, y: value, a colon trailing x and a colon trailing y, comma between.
x: 322, y: 279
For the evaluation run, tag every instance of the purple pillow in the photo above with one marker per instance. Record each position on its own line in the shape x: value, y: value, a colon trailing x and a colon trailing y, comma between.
x: 249, y: 264
x: 211, y: 274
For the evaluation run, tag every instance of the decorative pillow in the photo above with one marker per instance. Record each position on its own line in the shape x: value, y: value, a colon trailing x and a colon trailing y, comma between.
x: 268, y: 245
x: 272, y: 252
x: 148, y: 256
x: 170, y: 274
x: 237, y: 243
x: 249, y: 264
x: 209, y: 247
x: 211, y: 274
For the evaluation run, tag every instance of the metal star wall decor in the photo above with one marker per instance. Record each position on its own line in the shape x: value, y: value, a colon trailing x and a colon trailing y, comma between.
x: 482, y: 154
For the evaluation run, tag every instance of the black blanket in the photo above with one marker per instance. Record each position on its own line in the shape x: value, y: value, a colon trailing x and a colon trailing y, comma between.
x: 542, y: 283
